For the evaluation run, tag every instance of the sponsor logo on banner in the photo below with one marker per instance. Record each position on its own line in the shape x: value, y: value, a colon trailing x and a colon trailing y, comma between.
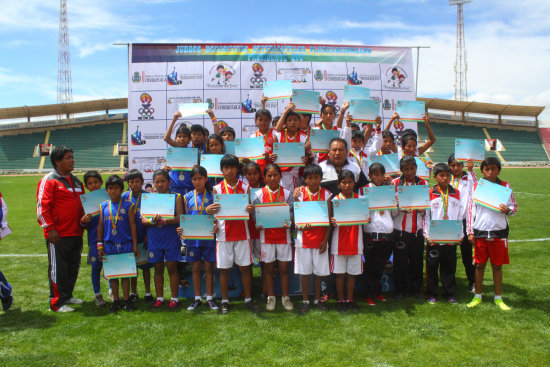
x: 395, y: 78
x: 217, y: 105
x: 355, y: 78
x: 140, y: 138
x: 222, y: 76
x: 137, y: 139
x: 258, y: 79
x: 332, y: 99
x: 142, y: 77
x: 210, y: 103
x: 146, y: 111
x: 184, y: 99
x: 136, y: 78
x: 175, y: 78
x: 328, y: 76
x: 318, y: 75
x: 247, y: 105
x: 297, y: 75
x: 148, y: 164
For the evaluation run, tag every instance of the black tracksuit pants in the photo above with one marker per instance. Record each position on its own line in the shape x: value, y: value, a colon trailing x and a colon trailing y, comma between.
x: 408, y: 264
x: 376, y: 255
x: 63, y: 266
x: 441, y: 263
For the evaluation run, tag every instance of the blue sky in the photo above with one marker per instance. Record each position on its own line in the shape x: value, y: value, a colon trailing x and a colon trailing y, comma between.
x: 507, y: 41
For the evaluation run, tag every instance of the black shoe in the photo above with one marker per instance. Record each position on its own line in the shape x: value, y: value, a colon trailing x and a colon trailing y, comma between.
x: 7, y: 303
x: 351, y: 306
x: 212, y: 304
x: 149, y: 299
x: 341, y: 306
x: 321, y: 306
x: 133, y: 297
x: 252, y: 306
x: 398, y: 296
x: 129, y: 305
x: 304, y: 308
x: 224, y: 309
x: 196, y: 303
x: 115, y: 306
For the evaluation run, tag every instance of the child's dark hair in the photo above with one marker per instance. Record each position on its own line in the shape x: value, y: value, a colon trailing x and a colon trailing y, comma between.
x: 272, y: 166
x: 292, y: 113
x: 406, y: 160
x: 325, y: 106
x: 183, y: 129
x: 406, y: 138
x: 58, y: 153
x: 263, y: 112
x: 410, y: 132
x: 354, y: 126
x: 228, y: 129
x: 313, y: 169
x: 305, y: 115
x: 251, y: 165
x: 91, y: 174
x: 275, y: 120
x: 133, y: 174
x: 345, y: 173
x: 452, y: 159
x: 114, y: 180
x: 149, y: 186
x: 490, y: 160
x: 440, y: 168
x: 377, y: 167
x: 229, y: 160
x: 216, y: 137
x: 161, y: 172
x: 388, y: 134
x: 196, y: 128
x: 358, y: 135
x: 339, y: 140
x: 199, y: 170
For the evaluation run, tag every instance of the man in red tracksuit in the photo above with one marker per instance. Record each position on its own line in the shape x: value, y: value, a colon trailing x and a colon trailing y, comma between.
x: 59, y: 210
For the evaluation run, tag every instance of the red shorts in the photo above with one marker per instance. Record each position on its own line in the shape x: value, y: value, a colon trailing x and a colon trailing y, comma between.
x: 495, y: 249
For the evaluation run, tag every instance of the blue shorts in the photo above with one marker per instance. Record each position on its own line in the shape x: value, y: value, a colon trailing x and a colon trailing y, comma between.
x: 118, y: 248
x: 160, y: 255
x: 200, y: 253
x: 93, y: 259
x: 145, y: 266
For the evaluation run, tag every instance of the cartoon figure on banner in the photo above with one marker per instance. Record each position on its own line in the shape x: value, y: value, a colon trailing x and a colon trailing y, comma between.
x: 258, y: 79
x: 136, y: 138
x: 146, y: 111
x: 396, y: 77
x: 219, y: 75
x: 172, y: 78
x: 247, y: 105
x: 228, y: 75
x: 332, y: 100
x: 353, y: 78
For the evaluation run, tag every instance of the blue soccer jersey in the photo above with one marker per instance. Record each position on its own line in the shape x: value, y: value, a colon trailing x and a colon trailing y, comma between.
x: 196, y: 205
x: 116, y: 227
x: 164, y: 237
x: 136, y: 200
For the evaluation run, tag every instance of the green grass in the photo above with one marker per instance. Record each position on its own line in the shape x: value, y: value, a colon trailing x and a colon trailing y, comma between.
x: 407, y: 333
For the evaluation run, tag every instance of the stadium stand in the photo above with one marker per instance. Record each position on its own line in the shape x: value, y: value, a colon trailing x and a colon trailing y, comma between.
x: 16, y: 151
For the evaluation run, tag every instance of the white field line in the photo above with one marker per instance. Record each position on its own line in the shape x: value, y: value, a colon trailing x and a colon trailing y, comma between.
x: 529, y: 193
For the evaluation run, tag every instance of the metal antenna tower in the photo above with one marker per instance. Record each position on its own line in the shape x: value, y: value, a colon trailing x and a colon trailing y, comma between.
x: 64, y: 84
x: 461, y: 67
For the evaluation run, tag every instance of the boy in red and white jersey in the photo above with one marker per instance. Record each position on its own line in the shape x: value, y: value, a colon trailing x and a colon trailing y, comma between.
x: 263, y: 122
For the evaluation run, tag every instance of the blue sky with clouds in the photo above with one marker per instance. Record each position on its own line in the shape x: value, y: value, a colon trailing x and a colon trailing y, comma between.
x: 507, y: 41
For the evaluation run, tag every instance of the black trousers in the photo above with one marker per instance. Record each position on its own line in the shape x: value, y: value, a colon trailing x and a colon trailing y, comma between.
x: 376, y: 255
x: 63, y: 266
x: 408, y: 254
x: 466, y: 251
x: 441, y: 263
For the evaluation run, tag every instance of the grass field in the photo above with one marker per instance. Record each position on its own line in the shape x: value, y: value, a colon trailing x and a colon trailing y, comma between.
x: 406, y: 333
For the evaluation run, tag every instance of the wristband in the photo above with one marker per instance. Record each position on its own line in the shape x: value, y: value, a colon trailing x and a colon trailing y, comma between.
x: 100, y: 245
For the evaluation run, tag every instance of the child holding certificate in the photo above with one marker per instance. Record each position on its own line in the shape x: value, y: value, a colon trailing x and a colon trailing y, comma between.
x: 180, y: 181
x: 346, y: 247
x: 215, y: 145
x: 275, y: 242
x: 408, y: 246
x: 164, y: 244
x: 377, y: 240
x: 328, y: 114
x: 311, y: 255
x: 135, y: 184
x: 5, y: 286
x: 263, y: 123
x: 232, y: 236
x: 445, y: 204
x: 195, y: 203
x: 227, y: 133
x: 488, y: 230
x: 409, y: 141
x: 116, y: 234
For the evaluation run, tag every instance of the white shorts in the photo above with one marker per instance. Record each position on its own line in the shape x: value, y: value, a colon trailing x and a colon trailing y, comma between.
x: 272, y: 252
x: 350, y: 264
x: 229, y: 252
x: 309, y: 261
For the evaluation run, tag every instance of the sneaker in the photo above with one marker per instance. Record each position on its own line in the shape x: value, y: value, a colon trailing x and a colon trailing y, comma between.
x: 115, y: 306
x: 133, y: 297
x: 304, y: 308
x: 503, y: 306
x: 474, y: 302
x: 287, y: 303
x: 224, y: 309
x: 196, y: 303
x: 340, y: 306
x: 157, y: 305
x: 432, y: 300
x: 472, y: 287
x: 129, y: 305
x: 173, y: 305
x: 321, y: 306
x: 380, y: 297
x: 251, y: 305
x: 452, y: 300
x: 351, y: 306
x: 370, y: 302
x: 212, y: 304
x: 99, y: 301
x: 111, y: 295
x: 149, y: 299
x: 270, y: 306
x: 74, y: 301
x: 64, y: 308
x: 7, y: 303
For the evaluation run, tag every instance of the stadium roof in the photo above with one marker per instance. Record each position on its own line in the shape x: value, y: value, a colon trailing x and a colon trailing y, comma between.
x: 481, y: 107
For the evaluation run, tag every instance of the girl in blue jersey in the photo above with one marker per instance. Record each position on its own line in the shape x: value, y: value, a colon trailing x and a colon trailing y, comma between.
x: 215, y: 146
x: 163, y: 244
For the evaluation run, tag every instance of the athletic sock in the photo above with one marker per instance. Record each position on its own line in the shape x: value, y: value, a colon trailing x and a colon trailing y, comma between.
x: 198, y: 298
x: 477, y: 295
x: 246, y: 300
x: 160, y: 299
x: 174, y: 299
x: 209, y: 298
x: 316, y: 301
x: 498, y: 297
x: 148, y: 294
x: 225, y: 301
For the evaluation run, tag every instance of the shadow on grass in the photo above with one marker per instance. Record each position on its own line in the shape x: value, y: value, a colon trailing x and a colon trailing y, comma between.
x: 16, y: 320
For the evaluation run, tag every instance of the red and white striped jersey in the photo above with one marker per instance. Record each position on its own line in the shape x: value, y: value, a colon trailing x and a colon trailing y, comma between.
x: 408, y: 222
x: 313, y: 237
x: 232, y: 230
x: 274, y: 235
x: 347, y: 240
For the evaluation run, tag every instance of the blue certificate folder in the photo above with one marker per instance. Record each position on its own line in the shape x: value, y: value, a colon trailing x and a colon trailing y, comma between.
x: 197, y: 227
x: 466, y: 149
x: 411, y: 110
x: 232, y: 206
x: 381, y: 197
x: 161, y: 204
x: 251, y: 148
x: 422, y: 170
x: 277, y: 89
x: 193, y: 109
x: 446, y: 231
x: 120, y: 266
x: 320, y: 139
x: 350, y: 212
x: 289, y: 154
x: 211, y: 162
x: 92, y: 200
x: 356, y: 92
x: 229, y: 147
x: 364, y: 110
x: 414, y: 197
x: 491, y: 195
x: 312, y: 212
x: 272, y: 215
x: 142, y: 258
x: 389, y: 161
x: 182, y: 158
x: 306, y: 101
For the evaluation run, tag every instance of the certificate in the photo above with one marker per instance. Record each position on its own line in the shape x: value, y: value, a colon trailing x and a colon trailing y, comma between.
x: 232, y: 206
x: 197, y: 227
x: 312, y: 212
x: 491, y: 195
x: 320, y: 139
x: 142, y: 258
x: 251, y: 148
x: 289, y: 154
x: 389, y: 161
x: 446, y: 231
x: 182, y: 158
x: 414, y: 197
x: 364, y: 110
x: 120, y: 266
x: 4, y: 231
x: 211, y: 162
x: 193, y: 109
x: 422, y: 170
x: 381, y: 197
x: 306, y: 101
x: 92, y: 200
x: 162, y: 204
x: 411, y: 110
x: 356, y: 92
x: 469, y: 149
x: 350, y: 212
x: 229, y: 147
x: 272, y: 215
x: 278, y: 89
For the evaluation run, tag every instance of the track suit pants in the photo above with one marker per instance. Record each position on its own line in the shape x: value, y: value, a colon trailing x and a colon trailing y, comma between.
x: 441, y: 263
x: 63, y: 266
x: 408, y: 253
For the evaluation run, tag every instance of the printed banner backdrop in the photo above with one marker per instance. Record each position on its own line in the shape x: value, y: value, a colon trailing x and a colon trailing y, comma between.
x: 229, y: 77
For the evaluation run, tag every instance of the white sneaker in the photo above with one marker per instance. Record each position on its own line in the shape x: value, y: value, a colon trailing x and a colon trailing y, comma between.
x: 74, y: 301
x: 111, y: 295
x: 64, y: 308
x: 287, y: 303
x: 270, y: 303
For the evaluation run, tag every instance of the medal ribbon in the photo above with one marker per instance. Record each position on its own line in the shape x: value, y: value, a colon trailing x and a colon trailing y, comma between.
x: 293, y: 139
x: 445, y: 200
x: 138, y: 202
x: 276, y: 197
x: 359, y: 161
x: 114, y: 222
x: 310, y: 196
x: 202, y: 203
x: 226, y: 188
x: 454, y: 183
